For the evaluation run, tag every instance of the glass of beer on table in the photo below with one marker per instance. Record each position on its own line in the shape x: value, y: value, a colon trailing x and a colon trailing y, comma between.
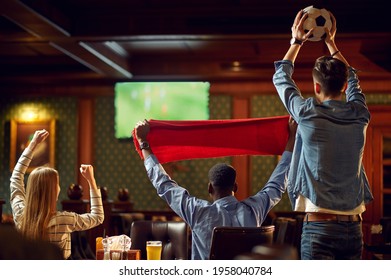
x: 154, y: 250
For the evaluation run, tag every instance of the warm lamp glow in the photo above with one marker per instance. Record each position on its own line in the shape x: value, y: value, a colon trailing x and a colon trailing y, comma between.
x: 30, y: 114
x: 236, y: 66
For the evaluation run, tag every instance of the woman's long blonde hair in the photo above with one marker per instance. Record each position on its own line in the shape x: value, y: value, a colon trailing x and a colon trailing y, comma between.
x: 41, y: 201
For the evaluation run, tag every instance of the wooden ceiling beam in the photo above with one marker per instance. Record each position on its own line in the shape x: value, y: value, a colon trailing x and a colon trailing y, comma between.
x: 41, y: 27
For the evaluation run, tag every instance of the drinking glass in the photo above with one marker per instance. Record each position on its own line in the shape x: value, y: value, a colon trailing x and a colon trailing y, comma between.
x: 154, y: 250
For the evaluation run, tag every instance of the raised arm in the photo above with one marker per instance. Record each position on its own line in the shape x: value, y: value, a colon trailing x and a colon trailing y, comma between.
x: 96, y: 215
x: 353, y: 91
x: 17, y: 189
x: 330, y: 41
x: 299, y: 36
x: 87, y: 171
x: 38, y: 138
x: 142, y: 129
x: 271, y: 193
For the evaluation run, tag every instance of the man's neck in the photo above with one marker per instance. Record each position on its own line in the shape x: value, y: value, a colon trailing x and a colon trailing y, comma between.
x: 323, y: 98
x: 222, y: 195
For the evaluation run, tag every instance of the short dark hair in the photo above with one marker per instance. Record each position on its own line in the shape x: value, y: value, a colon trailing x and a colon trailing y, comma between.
x: 331, y: 73
x: 222, y: 176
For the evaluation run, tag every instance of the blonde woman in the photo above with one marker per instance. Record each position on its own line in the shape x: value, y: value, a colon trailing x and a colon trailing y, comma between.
x: 34, y: 208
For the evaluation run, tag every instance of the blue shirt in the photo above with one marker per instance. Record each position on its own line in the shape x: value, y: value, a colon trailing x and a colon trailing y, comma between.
x: 202, y: 216
x: 327, y: 158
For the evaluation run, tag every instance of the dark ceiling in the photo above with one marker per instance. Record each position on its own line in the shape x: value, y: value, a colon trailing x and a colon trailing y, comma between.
x: 81, y: 42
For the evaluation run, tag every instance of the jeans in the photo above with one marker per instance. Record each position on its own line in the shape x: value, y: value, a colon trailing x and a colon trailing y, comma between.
x: 331, y: 241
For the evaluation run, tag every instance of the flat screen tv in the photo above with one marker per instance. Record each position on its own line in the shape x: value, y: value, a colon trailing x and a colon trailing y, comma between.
x: 135, y: 101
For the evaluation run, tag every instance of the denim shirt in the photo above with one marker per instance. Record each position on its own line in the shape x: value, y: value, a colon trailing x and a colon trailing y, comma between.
x: 327, y: 159
x: 202, y: 216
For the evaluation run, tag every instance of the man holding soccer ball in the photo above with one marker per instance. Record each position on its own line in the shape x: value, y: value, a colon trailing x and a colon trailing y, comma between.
x: 327, y: 179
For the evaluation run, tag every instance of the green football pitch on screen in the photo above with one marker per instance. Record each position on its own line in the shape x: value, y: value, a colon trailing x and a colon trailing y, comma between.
x: 135, y: 101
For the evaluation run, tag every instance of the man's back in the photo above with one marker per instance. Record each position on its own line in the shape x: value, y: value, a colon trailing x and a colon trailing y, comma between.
x: 327, y: 162
x: 202, y: 216
x: 227, y: 211
x: 332, y: 135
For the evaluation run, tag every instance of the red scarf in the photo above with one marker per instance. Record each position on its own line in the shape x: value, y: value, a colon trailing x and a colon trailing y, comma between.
x: 183, y: 140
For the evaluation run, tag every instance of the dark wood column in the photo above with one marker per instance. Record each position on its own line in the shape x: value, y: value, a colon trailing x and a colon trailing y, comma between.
x: 85, y: 136
x: 240, y: 110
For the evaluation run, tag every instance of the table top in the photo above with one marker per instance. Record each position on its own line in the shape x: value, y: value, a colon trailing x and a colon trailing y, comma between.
x: 131, y: 254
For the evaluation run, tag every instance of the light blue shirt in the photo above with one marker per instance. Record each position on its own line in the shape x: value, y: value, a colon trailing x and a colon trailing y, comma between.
x: 327, y: 159
x: 202, y: 216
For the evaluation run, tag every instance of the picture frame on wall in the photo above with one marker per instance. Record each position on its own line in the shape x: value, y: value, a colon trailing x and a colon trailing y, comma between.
x: 21, y: 135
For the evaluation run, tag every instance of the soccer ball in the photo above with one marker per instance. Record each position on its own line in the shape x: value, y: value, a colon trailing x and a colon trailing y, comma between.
x: 317, y: 19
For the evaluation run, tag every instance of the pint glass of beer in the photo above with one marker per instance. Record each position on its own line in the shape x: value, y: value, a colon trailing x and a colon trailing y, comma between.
x: 154, y: 250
